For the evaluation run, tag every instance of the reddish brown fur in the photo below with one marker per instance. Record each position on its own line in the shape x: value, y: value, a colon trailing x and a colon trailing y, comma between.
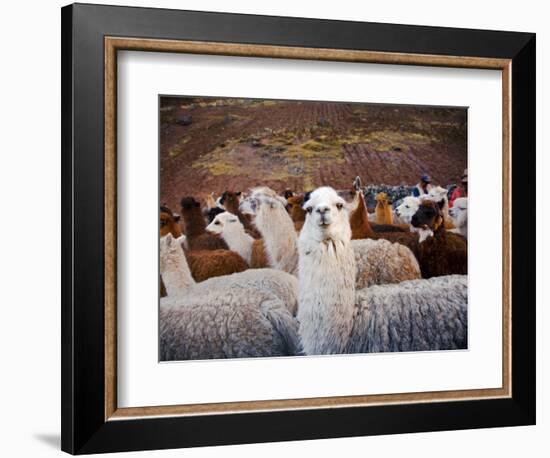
x: 230, y: 201
x: 205, y: 264
x: 359, y: 221
x: 195, y: 228
x: 445, y: 253
x: 259, y: 257
x: 436, y: 256
x: 297, y: 213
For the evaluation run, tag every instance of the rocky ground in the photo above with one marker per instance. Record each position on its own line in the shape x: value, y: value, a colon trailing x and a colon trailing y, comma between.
x: 211, y: 145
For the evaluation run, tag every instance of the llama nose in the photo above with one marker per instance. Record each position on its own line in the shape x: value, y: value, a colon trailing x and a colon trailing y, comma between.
x: 323, y: 210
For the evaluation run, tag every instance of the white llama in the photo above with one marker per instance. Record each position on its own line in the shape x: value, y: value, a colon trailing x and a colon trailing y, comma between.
x: 232, y: 231
x: 335, y: 318
x: 459, y: 214
x: 406, y: 209
x: 276, y: 227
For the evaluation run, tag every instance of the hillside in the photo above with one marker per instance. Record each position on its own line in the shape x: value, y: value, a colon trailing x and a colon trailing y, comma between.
x: 210, y: 145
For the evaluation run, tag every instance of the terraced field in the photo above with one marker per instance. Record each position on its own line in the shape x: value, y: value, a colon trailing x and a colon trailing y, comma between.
x: 210, y: 145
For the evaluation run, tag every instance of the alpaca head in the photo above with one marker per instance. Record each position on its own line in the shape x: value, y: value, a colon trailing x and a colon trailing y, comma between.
x: 459, y: 212
x: 382, y: 199
x: 428, y: 218
x: 224, y: 222
x: 189, y: 204
x: 169, y: 222
x: 326, y: 216
x: 261, y: 197
x: 210, y: 201
x: 351, y: 195
x: 288, y: 193
x: 230, y: 200
x: 407, y: 208
x: 439, y: 194
x: 294, y: 207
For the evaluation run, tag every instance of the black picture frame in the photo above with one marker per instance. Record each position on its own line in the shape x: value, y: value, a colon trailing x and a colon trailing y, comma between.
x: 84, y: 428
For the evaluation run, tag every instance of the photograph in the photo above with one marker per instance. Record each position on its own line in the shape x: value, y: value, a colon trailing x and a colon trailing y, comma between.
x: 307, y: 228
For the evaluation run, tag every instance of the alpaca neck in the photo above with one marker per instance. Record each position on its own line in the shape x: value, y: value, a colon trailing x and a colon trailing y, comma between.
x: 279, y: 236
x: 239, y: 241
x: 359, y: 218
x: 175, y: 272
x: 326, y: 294
x: 383, y: 214
x: 194, y: 223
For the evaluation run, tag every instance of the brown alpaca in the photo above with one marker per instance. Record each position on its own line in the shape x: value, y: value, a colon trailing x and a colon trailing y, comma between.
x: 203, y: 264
x: 195, y: 228
x: 425, y: 252
x: 444, y: 253
x: 231, y: 200
x: 361, y: 227
x: 297, y: 213
x: 383, y: 209
x: 359, y: 220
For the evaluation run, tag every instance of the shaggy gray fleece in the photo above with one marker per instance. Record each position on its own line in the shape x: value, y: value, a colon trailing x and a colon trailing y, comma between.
x: 231, y: 323
x: 415, y: 315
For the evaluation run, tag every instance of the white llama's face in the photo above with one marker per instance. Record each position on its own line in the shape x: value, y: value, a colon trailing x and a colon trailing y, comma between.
x: 459, y: 211
x: 407, y: 208
x: 438, y: 193
x: 223, y: 222
x: 262, y: 197
x: 327, y: 215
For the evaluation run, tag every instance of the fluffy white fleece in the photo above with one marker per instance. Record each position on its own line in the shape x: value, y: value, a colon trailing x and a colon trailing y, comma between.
x: 334, y: 319
x: 275, y: 225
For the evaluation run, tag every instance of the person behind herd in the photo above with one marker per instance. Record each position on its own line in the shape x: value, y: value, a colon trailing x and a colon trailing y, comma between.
x: 423, y: 187
x: 460, y: 191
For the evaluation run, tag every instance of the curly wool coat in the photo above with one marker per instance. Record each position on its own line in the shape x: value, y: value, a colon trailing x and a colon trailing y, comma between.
x: 417, y: 315
x: 226, y: 323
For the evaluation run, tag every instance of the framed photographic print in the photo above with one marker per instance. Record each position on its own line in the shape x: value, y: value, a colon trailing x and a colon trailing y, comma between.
x: 281, y: 228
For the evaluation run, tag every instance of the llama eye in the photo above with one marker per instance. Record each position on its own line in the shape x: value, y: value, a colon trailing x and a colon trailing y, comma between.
x: 339, y: 206
x: 309, y: 209
x: 217, y: 223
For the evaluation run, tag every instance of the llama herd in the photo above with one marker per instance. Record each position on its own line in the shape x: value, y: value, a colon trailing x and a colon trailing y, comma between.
x: 268, y: 274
